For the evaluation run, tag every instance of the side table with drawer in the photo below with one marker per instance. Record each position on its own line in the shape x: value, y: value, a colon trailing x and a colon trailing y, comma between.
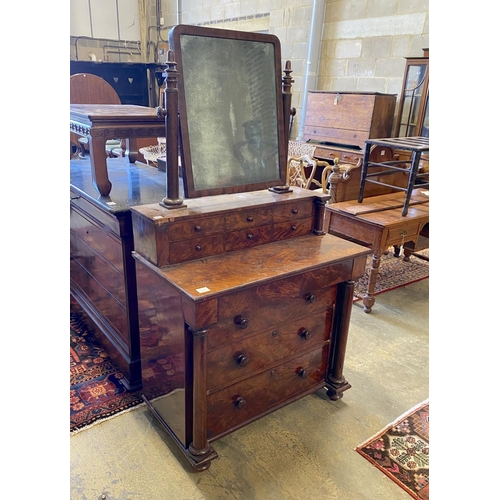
x: 244, y: 307
x: 378, y: 223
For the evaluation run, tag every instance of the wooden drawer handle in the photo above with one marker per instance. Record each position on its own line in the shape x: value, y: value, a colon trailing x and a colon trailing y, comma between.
x: 303, y: 373
x: 295, y: 211
x: 197, y: 228
x: 241, y: 322
x: 294, y: 228
x: 311, y: 297
x: 305, y: 333
x: 249, y: 236
x: 250, y: 218
x: 240, y: 403
x: 242, y: 360
x: 197, y: 248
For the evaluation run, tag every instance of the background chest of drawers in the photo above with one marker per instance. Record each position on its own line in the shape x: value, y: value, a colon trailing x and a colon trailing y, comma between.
x: 251, y: 325
x: 102, y: 270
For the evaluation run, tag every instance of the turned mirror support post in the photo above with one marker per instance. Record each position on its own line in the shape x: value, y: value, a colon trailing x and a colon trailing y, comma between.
x: 287, y: 98
x: 170, y: 112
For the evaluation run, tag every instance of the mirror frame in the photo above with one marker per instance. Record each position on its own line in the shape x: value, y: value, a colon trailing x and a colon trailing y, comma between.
x: 190, y: 190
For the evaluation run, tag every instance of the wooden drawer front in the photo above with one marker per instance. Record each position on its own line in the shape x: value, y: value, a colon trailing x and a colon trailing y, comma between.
x: 250, y: 356
x: 103, y: 301
x: 99, y: 268
x: 292, y: 229
x: 266, y: 307
x: 293, y: 211
x: 249, y: 219
x: 195, y: 248
x: 245, y: 400
x: 101, y: 240
x: 236, y: 240
x: 399, y: 233
x: 350, y: 157
x: 195, y: 228
x: 106, y: 219
x: 343, y: 156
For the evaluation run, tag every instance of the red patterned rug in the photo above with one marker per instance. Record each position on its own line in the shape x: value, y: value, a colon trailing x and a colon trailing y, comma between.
x: 393, y: 273
x: 96, y: 392
x: 401, y: 451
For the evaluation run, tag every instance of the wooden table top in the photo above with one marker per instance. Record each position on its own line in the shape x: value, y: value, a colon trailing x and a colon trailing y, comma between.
x: 118, y: 113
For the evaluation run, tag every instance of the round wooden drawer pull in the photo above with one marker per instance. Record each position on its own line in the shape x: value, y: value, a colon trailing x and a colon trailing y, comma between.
x: 295, y: 211
x: 311, y: 297
x: 305, y: 334
x: 241, y: 322
x: 303, y: 373
x: 240, y: 403
x: 250, y: 218
x: 242, y: 360
x: 197, y: 248
x: 197, y: 228
x: 249, y: 236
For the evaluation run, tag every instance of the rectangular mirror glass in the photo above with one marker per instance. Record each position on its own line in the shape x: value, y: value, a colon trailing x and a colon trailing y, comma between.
x: 230, y: 110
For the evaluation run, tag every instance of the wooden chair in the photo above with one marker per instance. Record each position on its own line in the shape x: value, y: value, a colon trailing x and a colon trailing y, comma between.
x: 86, y: 88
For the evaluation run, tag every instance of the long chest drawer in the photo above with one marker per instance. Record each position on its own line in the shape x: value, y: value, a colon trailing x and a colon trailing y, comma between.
x: 234, y: 405
x: 252, y: 355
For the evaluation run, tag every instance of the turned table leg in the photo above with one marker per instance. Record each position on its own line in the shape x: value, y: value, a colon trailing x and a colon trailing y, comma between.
x: 369, y: 298
x: 100, y: 179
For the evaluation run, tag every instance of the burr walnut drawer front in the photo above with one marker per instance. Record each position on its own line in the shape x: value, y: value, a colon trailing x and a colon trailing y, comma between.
x: 243, y: 401
x: 196, y: 248
x: 250, y: 356
x: 249, y: 218
x: 195, y: 228
x: 291, y: 211
x: 266, y: 307
x: 245, y: 238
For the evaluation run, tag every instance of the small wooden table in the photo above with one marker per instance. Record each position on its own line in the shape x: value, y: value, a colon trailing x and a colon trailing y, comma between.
x: 377, y: 222
x: 100, y: 122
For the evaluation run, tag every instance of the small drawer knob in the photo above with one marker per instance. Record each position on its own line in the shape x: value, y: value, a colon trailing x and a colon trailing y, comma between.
x: 241, y: 322
x: 242, y: 360
x: 249, y: 236
x: 293, y: 228
x: 303, y: 373
x: 240, y: 403
x: 197, y: 228
x: 250, y: 218
x: 295, y: 211
x: 305, y: 333
x: 311, y: 297
x: 197, y: 248
x: 274, y: 333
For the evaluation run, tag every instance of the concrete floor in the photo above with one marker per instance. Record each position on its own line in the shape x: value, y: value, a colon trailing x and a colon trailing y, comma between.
x: 303, y: 451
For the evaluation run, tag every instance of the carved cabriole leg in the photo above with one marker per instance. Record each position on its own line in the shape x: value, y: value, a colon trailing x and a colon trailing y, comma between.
x: 100, y: 179
x: 201, y: 452
x: 369, y: 298
x: 335, y: 382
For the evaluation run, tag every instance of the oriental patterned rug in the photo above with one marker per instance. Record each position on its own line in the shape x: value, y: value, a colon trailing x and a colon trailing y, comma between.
x: 96, y: 392
x: 401, y: 451
x: 393, y: 273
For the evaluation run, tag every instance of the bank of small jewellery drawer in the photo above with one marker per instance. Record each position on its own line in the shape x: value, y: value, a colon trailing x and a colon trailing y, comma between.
x: 292, y: 229
x: 250, y: 356
x: 249, y: 218
x: 243, y: 400
x: 291, y: 211
x: 195, y: 228
x: 246, y: 238
x: 196, y: 248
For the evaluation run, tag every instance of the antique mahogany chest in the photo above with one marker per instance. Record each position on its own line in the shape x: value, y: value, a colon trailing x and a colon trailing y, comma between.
x: 244, y: 307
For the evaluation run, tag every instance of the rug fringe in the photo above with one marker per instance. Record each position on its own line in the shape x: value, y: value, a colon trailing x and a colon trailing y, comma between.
x: 105, y: 419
